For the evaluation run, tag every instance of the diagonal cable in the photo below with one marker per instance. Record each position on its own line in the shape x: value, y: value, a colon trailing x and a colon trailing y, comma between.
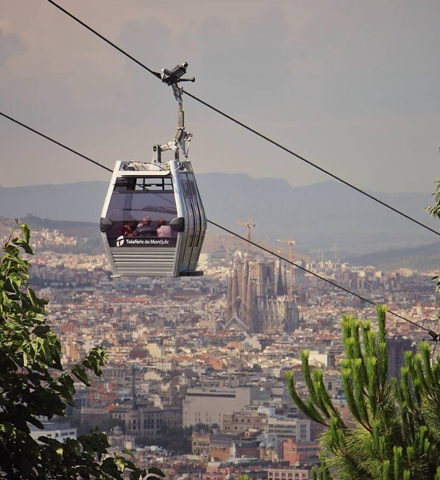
x: 320, y: 277
x: 106, y: 40
x: 54, y: 141
x: 323, y: 170
x: 247, y: 127
x: 435, y: 336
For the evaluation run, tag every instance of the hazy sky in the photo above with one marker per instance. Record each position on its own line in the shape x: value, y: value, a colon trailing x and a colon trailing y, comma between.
x: 353, y: 85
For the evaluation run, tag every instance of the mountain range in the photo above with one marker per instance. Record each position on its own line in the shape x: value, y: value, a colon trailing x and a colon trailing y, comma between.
x: 327, y: 220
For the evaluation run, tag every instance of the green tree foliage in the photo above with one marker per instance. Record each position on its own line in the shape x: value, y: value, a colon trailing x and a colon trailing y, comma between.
x: 395, y: 429
x: 434, y: 211
x: 34, y: 384
x: 174, y: 439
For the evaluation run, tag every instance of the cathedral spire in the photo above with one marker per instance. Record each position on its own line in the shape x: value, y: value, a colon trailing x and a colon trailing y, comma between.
x: 280, y: 283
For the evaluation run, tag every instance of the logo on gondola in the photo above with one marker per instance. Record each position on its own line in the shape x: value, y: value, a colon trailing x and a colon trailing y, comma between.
x: 120, y: 241
x: 143, y: 242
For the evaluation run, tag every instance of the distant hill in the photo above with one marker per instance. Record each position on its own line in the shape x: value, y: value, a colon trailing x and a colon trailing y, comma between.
x: 325, y: 219
x: 425, y: 258
x: 90, y: 241
x: 73, y: 202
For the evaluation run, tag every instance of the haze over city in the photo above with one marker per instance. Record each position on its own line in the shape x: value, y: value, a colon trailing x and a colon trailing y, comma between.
x: 353, y: 86
x: 222, y: 360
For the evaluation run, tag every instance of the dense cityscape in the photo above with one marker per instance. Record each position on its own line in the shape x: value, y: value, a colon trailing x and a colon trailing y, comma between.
x: 194, y: 381
x: 145, y: 334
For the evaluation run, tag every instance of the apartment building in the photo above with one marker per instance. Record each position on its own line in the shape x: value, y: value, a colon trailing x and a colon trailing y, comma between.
x: 207, y: 406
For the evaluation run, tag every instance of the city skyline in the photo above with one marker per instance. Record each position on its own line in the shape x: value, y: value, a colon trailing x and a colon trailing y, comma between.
x: 179, y: 367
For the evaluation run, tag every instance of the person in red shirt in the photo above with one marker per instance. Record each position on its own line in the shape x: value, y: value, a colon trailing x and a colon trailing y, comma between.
x: 126, y: 230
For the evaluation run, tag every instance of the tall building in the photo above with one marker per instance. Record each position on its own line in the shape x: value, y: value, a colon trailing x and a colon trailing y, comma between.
x: 300, y: 453
x: 58, y: 431
x: 242, y: 421
x: 280, y: 429
x: 171, y: 405
x: 396, y: 348
x: 207, y: 406
x: 257, y: 299
x: 140, y: 421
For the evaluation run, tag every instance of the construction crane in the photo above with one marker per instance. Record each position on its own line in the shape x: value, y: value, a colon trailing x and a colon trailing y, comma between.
x: 291, y: 243
x: 249, y: 226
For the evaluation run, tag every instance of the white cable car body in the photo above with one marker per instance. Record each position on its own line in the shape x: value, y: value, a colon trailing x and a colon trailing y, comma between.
x: 153, y: 222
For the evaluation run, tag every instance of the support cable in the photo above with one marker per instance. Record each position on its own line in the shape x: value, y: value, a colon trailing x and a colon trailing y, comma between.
x: 54, y: 141
x: 434, y: 336
x: 332, y: 175
x: 106, y: 40
x: 250, y: 129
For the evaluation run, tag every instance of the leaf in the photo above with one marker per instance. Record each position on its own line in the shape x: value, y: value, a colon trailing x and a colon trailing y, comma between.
x: 65, y: 393
x: 35, y: 385
x: 155, y: 471
x: 24, y: 245
x: 25, y: 359
x: 81, y: 375
x: 4, y: 297
x: 95, y: 360
x: 35, y: 422
x: 41, y: 330
x: 26, y: 232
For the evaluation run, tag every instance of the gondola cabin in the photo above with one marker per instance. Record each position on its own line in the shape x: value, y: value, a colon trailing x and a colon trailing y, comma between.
x: 153, y: 222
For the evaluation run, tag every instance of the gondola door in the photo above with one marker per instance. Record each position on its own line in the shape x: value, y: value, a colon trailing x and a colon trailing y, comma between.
x: 137, y: 205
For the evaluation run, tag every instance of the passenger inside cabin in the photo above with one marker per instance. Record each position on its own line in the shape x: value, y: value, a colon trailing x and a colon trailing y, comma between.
x: 163, y: 230
x: 126, y: 230
x: 145, y: 229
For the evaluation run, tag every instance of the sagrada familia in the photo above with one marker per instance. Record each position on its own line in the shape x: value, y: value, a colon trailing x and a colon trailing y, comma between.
x: 259, y: 300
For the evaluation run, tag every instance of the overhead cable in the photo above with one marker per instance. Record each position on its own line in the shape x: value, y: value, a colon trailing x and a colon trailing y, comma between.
x: 102, y: 37
x: 250, y: 129
x: 54, y: 141
x: 435, y: 336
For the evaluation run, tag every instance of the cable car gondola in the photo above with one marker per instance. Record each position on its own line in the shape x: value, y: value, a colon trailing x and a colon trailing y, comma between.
x: 153, y: 222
